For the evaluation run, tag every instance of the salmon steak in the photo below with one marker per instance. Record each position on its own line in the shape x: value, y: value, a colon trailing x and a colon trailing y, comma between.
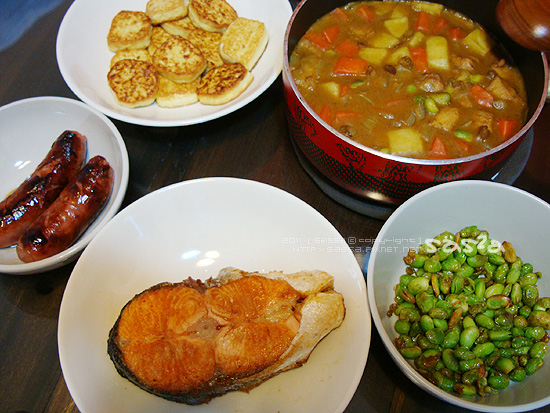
x: 194, y: 340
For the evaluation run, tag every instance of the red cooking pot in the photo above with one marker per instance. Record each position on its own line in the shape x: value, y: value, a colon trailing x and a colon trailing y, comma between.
x: 388, y: 179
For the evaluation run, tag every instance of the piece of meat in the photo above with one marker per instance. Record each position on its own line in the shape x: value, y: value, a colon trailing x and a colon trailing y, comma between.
x: 235, y: 332
x: 77, y: 206
x: 482, y: 119
x: 431, y: 82
x: 502, y: 90
x: 39, y: 191
x: 445, y: 118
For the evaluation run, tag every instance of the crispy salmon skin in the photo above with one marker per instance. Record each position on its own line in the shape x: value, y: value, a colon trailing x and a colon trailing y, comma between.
x: 192, y: 341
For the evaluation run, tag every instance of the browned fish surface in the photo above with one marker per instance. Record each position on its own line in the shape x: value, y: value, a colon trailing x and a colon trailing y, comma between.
x: 192, y: 341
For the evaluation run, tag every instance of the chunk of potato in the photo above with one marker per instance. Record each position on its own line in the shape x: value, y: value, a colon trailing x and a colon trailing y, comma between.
x: 383, y: 41
x: 398, y: 26
x: 398, y: 54
x: 373, y: 55
x: 416, y: 39
x: 404, y: 141
x: 399, y: 12
x: 432, y: 8
x: 478, y: 41
x: 332, y: 88
x: 437, y: 51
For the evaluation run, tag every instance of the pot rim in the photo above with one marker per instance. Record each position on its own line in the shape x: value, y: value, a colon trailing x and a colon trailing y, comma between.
x: 518, y: 136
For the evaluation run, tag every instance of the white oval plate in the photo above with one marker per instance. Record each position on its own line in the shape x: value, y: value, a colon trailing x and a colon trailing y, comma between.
x: 193, y: 229
x: 83, y: 58
x: 29, y: 128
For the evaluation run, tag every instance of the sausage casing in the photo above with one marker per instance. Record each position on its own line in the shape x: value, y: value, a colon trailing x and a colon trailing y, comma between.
x: 71, y: 214
x: 24, y: 205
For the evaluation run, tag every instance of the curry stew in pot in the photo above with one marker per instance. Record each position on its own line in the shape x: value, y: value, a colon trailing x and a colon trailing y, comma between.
x: 410, y: 78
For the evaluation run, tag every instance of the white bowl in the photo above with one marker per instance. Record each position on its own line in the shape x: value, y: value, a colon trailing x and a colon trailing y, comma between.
x: 194, y: 229
x: 83, y: 59
x: 29, y: 128
x: 508, y: 214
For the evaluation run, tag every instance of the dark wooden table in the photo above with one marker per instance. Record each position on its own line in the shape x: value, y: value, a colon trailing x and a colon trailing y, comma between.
x: 251, y: 143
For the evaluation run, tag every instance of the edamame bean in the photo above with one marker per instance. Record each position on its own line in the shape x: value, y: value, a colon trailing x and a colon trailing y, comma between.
x: 435, y: 335
x: 483, y: 350
x: 518, y: 374
x: 496, y: 259
x: 504, y: 365
x: 539, y: 349
x: 449, y: 359
x: 418, y: 284
x: 533, y: 365
x: 499, y: 335
x: 411, y: 352
x: 450, y: 264
x: 467, y: 365
x: 465, y: 389
x: 477, y: 261
x: 402, y: 326
x: 451, y: 339
x: 483, y: 321
x: 432, y: 265
x: 499, y: 382
x: 468, y: 336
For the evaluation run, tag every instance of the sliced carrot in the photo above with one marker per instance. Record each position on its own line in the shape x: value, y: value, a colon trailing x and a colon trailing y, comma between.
x: 456, y: 34
x: 331, y: 33
x: 397, y: 102
x: 438, y: 149
x: 348, y: 48
x: 350, y: 66
x: 366, y: 12
x: 508, y: 127
x: 318, y: 40
x: 481, y: 96
x: 344, y: 89
x: 462, y: 145
x: 326, y: 114
x: 340, y: 14
x: 345, y: 115
x: 424, y: 22
x: 419, y: 58
x: 440, y: 24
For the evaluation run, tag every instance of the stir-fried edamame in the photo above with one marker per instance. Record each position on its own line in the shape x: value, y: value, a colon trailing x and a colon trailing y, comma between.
x: 469, y: 313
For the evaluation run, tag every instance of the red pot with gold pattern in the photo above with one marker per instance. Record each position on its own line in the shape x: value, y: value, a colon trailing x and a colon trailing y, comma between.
x: 389, y: 179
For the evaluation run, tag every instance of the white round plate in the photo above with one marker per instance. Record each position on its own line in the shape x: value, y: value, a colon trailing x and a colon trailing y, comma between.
x: 29, y: 129
x: 83, y: 58
x: 194, y: 229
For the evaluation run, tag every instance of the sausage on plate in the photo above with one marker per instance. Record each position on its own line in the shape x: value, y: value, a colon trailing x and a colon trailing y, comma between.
x: 71, y: 214
x: 24, y: 205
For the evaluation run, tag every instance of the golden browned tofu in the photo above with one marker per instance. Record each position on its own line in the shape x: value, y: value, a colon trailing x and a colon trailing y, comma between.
x: 133, y: 82
x: 129, y: 30
x: 211, y: 15
x: 244, y: 42
x: 223, y: 84
x: 179, y: 60
x: 160, y: 11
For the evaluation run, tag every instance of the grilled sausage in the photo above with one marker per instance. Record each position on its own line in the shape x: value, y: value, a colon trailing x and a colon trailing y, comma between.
x: 71, y: 214
x: 24, y: 205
